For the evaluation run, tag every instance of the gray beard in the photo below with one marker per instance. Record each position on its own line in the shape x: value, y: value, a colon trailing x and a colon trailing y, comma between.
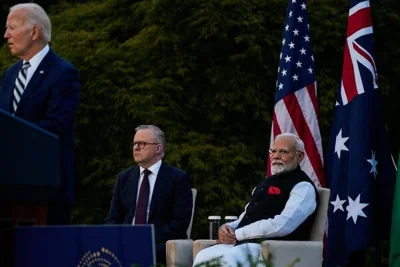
x: 277, y: 169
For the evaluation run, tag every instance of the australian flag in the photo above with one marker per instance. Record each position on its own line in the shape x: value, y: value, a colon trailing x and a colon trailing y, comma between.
x: 360, y: 170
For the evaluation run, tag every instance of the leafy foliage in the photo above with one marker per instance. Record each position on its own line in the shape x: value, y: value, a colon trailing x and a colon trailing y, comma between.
x: 204, y: 71
x: 179, y: 67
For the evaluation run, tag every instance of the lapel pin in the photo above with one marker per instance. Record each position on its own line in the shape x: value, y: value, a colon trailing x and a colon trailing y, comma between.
x: 41, y: 72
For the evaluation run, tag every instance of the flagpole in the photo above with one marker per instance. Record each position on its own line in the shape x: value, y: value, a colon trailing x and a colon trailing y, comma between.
x: 394, y: 163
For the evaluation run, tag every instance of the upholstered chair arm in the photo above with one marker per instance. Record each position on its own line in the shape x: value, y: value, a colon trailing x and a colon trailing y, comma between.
x: 285, y: 253
x: 179, y: 252
x: 202, y: 244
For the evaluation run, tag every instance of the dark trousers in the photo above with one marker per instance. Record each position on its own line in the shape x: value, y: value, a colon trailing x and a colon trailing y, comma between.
x: 161, y: 253
x: 357, y: 259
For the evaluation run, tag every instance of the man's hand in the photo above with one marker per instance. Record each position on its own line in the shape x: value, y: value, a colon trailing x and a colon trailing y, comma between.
x: 226, y: 235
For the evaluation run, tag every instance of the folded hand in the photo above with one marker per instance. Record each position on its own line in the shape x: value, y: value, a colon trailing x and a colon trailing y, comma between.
x: 226, y: 235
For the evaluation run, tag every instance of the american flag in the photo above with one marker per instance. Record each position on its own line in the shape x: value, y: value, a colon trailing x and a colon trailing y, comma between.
x: 360, y: 171
x: 296, y: 106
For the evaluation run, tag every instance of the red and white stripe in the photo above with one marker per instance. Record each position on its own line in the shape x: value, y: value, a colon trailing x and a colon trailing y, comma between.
x: 297, y: 114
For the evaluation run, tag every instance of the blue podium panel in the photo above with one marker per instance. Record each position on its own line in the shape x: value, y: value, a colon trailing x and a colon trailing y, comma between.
x: 84, y: 246
x: 29, y: 159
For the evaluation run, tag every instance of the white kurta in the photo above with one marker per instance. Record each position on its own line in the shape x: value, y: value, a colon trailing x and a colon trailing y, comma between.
x: 301, y: 204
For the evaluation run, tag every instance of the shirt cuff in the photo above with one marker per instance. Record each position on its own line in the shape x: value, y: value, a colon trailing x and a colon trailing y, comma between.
x: 239, y: 234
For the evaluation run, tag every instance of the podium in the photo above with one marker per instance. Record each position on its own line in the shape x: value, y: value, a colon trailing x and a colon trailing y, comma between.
x: 29, y: 176
x: 84, y: 246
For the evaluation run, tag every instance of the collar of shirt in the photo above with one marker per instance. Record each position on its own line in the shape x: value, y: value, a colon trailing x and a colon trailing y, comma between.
x: 153, y: 168
x: 35, y: 61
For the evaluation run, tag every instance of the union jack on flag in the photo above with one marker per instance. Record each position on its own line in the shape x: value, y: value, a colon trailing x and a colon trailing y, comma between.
x: 296, y: 106
x: 360, y: 172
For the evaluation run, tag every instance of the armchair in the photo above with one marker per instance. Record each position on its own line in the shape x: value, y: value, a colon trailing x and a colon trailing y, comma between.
x: 306, y: 253
x: 279, y: 253
x: 282, y: 253
x: 179, y: 251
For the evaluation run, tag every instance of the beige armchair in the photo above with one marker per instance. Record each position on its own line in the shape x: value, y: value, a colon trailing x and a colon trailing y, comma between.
x: 180, y: 251
x: 283, y: 253
x: 280, y: 253
x: 305, y: 253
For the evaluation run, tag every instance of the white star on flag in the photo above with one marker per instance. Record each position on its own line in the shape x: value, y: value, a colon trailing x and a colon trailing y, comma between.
x: 338, y: 204
x: 340, y: 143
x: 373, y: 162
x: 354, y: 209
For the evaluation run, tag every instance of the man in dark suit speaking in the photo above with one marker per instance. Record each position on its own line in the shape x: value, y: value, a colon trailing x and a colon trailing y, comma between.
x: 152, y: 192
x: 42, y: 88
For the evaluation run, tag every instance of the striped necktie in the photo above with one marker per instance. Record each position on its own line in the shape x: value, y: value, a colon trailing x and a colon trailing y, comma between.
x: 20, y: 84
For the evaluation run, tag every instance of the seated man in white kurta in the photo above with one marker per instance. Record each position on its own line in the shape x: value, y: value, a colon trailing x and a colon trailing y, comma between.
x: 281, y: 207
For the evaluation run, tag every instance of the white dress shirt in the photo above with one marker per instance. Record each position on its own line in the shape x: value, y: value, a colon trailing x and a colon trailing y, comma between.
x: 152, y: 180
x: 35, y: 61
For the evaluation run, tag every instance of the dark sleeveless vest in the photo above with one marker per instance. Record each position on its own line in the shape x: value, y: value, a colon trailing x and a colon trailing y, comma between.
x: 269, y: 199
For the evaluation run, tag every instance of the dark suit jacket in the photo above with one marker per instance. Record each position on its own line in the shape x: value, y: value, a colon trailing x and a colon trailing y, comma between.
x: 170, y: 206
x: 50, y: 101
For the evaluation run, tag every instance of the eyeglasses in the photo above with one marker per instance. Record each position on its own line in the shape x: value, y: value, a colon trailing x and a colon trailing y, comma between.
x: 282, y: 152
x: 142, y: 144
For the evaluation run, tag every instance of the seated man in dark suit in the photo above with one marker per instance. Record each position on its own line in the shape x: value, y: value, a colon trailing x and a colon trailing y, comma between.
x: 152, y: 192
x: 282, y: 206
